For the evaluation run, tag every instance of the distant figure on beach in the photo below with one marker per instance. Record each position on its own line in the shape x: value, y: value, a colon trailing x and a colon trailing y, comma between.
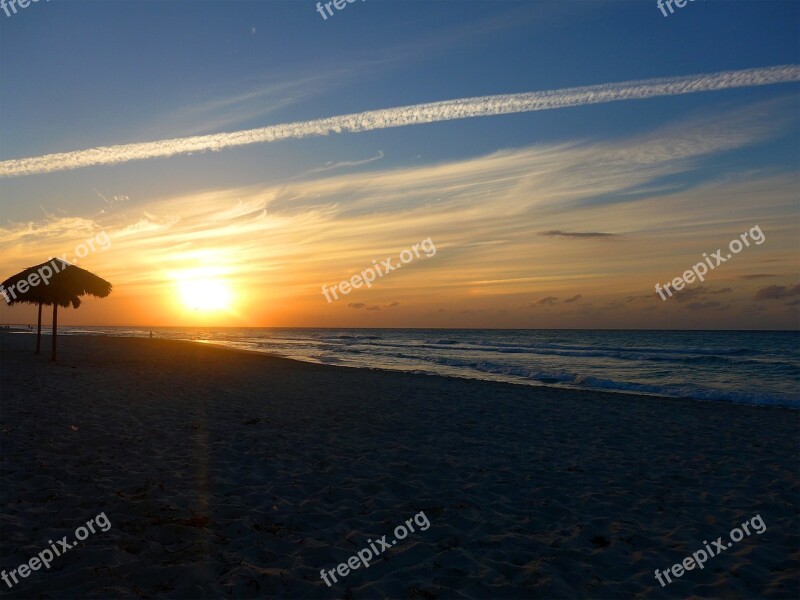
x: 151, y: 335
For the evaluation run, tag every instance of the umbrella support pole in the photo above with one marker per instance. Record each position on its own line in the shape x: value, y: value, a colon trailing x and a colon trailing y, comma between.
x: 55, y: 327
x: 39, y: 331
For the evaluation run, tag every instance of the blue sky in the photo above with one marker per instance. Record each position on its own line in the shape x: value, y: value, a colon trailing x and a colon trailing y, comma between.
x: 80, y: 74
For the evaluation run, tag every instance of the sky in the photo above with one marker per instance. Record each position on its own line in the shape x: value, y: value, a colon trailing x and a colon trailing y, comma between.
x: 228, y: 163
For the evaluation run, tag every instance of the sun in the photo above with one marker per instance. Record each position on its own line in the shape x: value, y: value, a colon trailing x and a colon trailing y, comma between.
x: 204, y: 294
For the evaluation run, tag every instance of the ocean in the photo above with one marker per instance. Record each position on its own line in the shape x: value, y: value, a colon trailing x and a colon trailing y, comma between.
x: 746, y: 367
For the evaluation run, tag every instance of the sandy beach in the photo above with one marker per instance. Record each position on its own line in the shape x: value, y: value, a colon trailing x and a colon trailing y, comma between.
x: 231, y: 474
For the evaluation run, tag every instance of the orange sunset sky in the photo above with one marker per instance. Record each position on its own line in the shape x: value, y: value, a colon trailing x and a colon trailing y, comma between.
x: 241, y: 159
x: 507, y: 254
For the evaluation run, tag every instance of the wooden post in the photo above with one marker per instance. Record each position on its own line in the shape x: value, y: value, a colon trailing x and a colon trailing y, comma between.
x: 55, y: 327
x: 39, y: 330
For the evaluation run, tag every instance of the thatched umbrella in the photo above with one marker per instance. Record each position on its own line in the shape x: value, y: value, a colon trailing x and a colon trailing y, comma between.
x: 56, y: 282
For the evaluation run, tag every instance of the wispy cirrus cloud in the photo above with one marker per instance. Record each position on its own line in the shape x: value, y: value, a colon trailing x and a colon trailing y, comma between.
x: 234, y: 109
x: 347, y: 163
x: 431, y: 112
x: 576, y: 234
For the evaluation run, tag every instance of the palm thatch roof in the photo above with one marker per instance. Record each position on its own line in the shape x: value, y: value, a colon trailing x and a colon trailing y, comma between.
x: 63, y: 285
x: 67, y: 284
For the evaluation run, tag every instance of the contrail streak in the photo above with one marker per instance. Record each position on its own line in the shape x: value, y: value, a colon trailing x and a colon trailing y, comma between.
x: 401, y: 116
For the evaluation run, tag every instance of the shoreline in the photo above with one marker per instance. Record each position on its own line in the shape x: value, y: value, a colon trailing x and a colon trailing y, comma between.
x: 565, y: 389
x: 464, y: 377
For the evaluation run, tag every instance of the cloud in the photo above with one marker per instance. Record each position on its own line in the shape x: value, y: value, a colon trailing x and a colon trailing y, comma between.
x: 575, y: 234
x: 344, y: 164
x: 613, y: 306
x: 432, y: 112
x: 695, y: 293
x: 573, y: 299
x: 219, y: 110
x: 704, y: 305
x: 550, y: 300
x: 776, y: 292
x: 699, y: 295
x: 690, y: 293
x: 642, y: 297
x: 362, y: 306
x: 757, y: 276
